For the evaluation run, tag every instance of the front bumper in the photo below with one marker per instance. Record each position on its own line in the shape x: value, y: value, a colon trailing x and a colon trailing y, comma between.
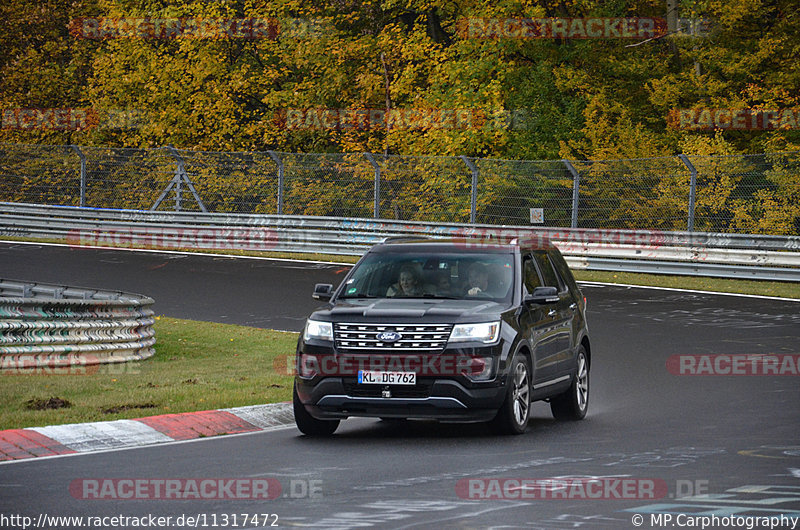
x: 441, y: 399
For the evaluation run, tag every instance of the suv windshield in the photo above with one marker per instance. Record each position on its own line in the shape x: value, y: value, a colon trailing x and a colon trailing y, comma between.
x: 468, y: 275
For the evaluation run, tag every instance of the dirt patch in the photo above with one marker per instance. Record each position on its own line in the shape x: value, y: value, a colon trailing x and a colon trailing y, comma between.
x: 47, y: 404
x: 121, y: 408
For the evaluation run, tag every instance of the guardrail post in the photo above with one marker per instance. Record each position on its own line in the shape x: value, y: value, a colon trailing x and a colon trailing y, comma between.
x: 279, y: 163
x: 176, y: 182
x: 473, y: 203
x: 576, y: 183
x: 376, y: 207
x: 692, y: 190
x: 83, y: 174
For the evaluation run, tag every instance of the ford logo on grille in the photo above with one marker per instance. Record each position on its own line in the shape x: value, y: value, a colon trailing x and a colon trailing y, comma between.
x: 388, y: 336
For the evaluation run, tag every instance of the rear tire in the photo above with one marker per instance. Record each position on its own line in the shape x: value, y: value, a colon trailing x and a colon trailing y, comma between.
x: 573, y: 404
x: 308, y: 424
x: 512, y: 418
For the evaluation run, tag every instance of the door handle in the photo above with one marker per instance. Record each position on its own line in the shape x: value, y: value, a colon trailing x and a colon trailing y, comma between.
x: 551, y: 313
x: 573, y: 306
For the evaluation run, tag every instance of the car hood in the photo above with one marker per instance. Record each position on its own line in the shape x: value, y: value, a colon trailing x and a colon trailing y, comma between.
x: 450, y: 311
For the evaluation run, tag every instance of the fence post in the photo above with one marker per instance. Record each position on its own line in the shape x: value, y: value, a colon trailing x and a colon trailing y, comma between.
x: 279, y: 163
x: 376, y: 207
x: 176, y: 182
x: 692, y: 190
x: 473, y: 206
x: 576, y: 183
x: 83, y: 174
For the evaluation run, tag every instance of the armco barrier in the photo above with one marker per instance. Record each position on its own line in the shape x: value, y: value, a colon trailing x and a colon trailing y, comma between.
x: 746, y: 256
x: 51, y: 326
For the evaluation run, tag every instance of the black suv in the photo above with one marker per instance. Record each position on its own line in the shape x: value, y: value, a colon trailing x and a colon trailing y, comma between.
x: 453, y: 330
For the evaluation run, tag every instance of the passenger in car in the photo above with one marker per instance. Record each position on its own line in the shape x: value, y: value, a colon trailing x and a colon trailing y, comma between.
x: 409, y: 283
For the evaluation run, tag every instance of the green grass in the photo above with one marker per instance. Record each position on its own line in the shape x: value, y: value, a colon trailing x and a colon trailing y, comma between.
x: 197, y: 366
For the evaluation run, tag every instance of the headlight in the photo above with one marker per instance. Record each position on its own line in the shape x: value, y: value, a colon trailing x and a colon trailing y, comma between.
x: 486, y: 332
x: 318, y: 330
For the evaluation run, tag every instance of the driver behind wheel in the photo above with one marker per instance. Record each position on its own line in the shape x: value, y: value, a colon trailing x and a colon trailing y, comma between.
x: 478, y: 279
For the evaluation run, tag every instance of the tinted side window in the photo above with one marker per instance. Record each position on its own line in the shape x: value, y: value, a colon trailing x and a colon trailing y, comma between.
x: 549, y: 275
x: 530, y: 275
x: 563, y: 271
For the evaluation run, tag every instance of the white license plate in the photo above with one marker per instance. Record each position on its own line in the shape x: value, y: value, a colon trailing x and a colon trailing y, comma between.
x: 368, y: 377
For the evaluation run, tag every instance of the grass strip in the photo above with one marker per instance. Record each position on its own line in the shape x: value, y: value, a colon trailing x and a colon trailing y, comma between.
x: 197, y: 366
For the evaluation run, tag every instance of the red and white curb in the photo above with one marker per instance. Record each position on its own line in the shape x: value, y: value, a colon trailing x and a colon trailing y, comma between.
x: 32, y: 442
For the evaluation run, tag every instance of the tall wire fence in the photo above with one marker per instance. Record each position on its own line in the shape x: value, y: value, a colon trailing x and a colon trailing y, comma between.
x: 738, y: 193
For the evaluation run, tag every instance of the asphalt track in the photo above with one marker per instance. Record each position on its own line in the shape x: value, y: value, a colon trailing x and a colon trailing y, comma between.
x: 733, y: 439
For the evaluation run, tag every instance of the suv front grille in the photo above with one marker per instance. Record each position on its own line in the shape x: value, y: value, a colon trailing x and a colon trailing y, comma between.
x: 430, y: 338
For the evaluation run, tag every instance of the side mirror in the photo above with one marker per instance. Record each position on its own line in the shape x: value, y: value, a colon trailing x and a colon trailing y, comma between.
x: 323, y: 291
x: 542, y: 295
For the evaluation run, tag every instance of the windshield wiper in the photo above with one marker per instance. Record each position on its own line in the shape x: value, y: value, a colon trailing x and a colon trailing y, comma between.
x: 441, y: 296
x: 358, y: 295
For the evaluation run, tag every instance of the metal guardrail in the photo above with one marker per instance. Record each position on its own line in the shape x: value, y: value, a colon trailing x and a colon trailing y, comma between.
x: 747, y: 256
x: 54, y: 326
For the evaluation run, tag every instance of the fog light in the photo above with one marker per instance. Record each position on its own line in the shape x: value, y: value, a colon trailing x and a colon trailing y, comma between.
x: 308, y: 366
x: 479, y: 368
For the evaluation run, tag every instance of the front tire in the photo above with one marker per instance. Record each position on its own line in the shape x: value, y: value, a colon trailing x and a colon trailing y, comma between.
x: 573, y: 404
x: 512, y: 418
x: 308, y: 424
